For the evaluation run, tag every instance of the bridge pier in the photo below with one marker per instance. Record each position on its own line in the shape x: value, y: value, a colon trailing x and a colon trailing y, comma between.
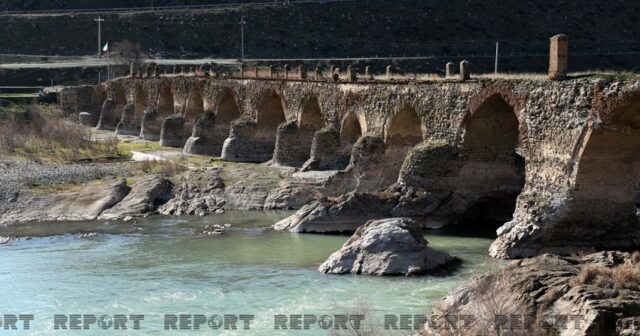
x: 172, y: 133
x: 324, y: 153
x: 243, y: 144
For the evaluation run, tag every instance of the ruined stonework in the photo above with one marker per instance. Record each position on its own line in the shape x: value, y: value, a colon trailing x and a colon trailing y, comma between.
x: 83, y: 99
x: 557, y: 161
x: 324, y: 151
x: 199, y: 142
x: 559, y: 57
x: 172, y: 134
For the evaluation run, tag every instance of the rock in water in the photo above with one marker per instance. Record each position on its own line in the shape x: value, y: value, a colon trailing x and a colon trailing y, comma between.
x: 392, y: 246
x: 145, y: 195
x: 345, y: 214
x: 214, y: 229
x: 593, y: 295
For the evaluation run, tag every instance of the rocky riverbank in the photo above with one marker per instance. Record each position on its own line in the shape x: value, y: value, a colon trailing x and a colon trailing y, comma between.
x: 594, y: 295
x: 31, y: 191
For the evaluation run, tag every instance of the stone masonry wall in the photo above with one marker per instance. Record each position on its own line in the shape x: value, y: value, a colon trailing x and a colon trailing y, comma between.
x: 549, y: 127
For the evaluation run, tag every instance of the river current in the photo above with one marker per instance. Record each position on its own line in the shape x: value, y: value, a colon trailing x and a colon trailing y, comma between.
x: 158, y: 267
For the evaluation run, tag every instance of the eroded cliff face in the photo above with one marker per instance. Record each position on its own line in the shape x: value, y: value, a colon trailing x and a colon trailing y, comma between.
x: 556, y: 161
x: 596, y: 294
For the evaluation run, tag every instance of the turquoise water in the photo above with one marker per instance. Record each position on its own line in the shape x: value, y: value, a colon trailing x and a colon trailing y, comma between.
x: 159, y: 266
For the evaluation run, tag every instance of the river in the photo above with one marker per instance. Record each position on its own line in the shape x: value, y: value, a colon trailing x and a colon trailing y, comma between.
x: 159, y: 267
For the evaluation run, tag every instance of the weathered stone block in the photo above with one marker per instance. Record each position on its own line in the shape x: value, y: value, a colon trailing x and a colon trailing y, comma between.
x: 465, y: 70
x: 87, y: 119
x: 450, y: 70
x: 127, y: 124
x: 150, y: 127
x: 172, y: 134
x: 244, y: 145
x: 324, y: 153
x: 292, y: 145
x: 558, y: 57
x: 204, y: 136
x: 352, y: 75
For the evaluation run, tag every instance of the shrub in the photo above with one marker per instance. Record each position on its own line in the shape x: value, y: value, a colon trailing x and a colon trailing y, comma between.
x: 46, y: 137
x: 626, y: 276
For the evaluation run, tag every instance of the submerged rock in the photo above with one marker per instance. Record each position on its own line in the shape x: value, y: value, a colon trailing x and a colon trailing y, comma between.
x: 146, y: 194
x: 392, y: 246
x: 599, y: 292
x: 5, y: 240
x: 345, y: 214
x: 89, y: 235
x: 214, y: 229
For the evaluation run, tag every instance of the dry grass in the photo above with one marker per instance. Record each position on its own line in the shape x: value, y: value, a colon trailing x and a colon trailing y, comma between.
x: 626, y: 276
x: 166, y: 167
x: 45, y: 137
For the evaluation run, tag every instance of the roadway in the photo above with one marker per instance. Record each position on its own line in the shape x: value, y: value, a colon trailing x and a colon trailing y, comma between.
x: 103, y: 63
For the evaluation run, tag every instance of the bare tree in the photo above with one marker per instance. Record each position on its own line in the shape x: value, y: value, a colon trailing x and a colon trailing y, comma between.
x: 127, y: 52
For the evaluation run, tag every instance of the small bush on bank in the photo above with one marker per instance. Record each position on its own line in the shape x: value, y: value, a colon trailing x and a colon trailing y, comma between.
x: 166, y: 167
x: 626, y: 276
x: 42, y: 137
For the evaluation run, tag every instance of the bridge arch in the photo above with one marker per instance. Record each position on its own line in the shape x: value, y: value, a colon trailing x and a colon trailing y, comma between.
x: 493, y: 172
x: 310, y: 116
x: 607, y: 176
x: 350, y: 130
x: 271, y: 113
x: 165, y: 102
x: 228, y: 108
x: 140, y: 103
x: 194, y: 107
x: 405, y: 128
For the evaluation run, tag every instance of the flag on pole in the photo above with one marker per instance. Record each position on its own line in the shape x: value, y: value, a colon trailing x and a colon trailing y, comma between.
x: 106, y: 47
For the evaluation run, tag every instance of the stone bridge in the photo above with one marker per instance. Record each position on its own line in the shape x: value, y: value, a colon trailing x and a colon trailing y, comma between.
x: 558, y: 161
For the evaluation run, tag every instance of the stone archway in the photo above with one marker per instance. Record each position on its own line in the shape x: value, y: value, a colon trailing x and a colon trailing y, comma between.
x: 228, y: 110
x: 120, y: 103
x: 404, y: 132
x: 493, y: 172
x: 311, y: 118
x: 140, y: 104
x: 350, y: 132
x: 165, y: 102
x: 271, y: 113
x: 309, y: 122
x: 605, y: 190
x: 194, y: 109
x: 133, y: 112
x: 295, y: 138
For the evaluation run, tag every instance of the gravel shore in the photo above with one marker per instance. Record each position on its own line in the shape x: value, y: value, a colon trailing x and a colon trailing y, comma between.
x: 17, y: 176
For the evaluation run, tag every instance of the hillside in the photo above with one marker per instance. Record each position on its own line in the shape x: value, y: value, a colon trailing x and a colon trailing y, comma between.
x: 29, y: 5
x: 446, y: 28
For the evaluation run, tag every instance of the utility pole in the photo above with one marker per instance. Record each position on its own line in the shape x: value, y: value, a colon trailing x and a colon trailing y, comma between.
x: 99, y: 20
x: 242, y: 23
x: 497, y: 51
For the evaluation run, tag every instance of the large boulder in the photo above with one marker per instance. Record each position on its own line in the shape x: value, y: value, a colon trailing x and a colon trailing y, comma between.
x: 344, y: 214
x: 200, y: 192
x: 146, y: 194
x: 86, y: 203
x: 392, y: 246
x: 596, y: 294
